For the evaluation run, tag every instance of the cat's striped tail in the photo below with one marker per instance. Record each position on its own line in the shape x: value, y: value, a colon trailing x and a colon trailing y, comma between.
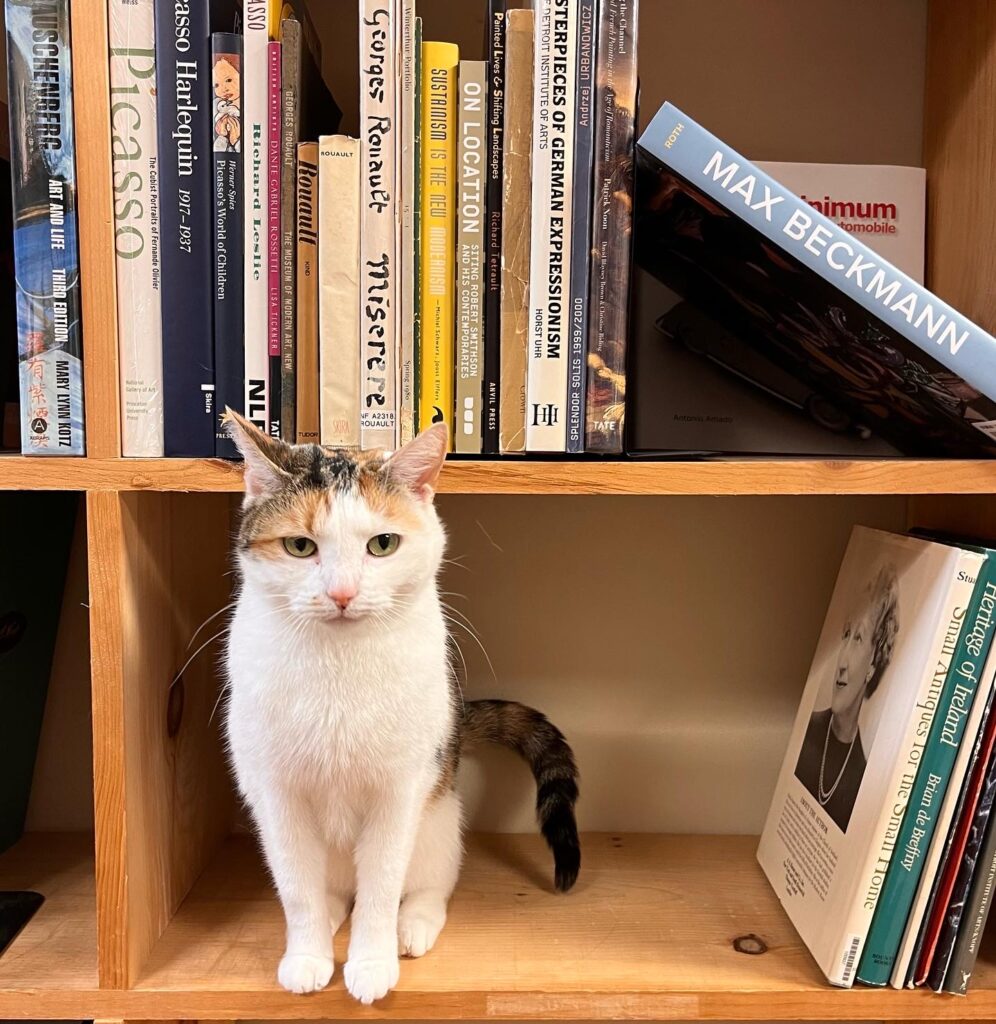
x: 543, y: 747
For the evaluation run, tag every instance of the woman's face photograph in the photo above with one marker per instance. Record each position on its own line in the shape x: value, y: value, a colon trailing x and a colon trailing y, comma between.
x: 855, y: 665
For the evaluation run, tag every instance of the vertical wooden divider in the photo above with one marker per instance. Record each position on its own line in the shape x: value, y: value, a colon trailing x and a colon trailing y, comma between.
x: 95, y: 208
x: 163, y: 800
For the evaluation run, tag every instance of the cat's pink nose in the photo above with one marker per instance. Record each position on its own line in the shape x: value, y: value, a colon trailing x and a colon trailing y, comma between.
x: 342, y: 596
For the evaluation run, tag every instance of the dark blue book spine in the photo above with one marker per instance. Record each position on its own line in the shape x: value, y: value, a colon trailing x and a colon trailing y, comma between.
x: 46, y: 251
x: 226, y: 122
x: 495, y: 133
x: 186, y: 214
x: 583, y: 215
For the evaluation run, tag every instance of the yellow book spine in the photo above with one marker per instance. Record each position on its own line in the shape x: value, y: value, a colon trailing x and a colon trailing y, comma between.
x: 276, y: 11
x: 437, y: 275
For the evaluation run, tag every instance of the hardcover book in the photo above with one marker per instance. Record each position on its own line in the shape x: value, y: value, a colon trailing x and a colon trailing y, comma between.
x: 379, y: 329
x: 408, y: 192
x: 226, y: 120
x: 865, y: 716
x: 612, y: 230
x: 274, y: 338
x: 515, y: 251
x: 496, y: 27
x: 134, y: 152
x: 582, y: 216
x: 554, y: 100
x: 471, y: 258
x: 785, y: 279
x: 340, y: 216
x: 256, y: 216
x: 186, y: 211
x: 306, y: 288
x: 46, y: 249
x: 936, y: 771
x: 438, y: 233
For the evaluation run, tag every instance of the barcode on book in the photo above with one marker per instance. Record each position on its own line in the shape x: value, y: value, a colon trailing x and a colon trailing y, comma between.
x: 851, y: 959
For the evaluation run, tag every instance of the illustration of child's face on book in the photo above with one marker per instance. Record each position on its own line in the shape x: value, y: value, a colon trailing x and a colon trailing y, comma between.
x: 227, y: 83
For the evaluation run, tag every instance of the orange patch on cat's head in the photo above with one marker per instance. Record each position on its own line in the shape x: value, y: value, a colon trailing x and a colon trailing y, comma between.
x: 386, y: 498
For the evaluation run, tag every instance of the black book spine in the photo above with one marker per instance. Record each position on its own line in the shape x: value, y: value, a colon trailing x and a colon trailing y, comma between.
x: 968, y: 907
x: 229, y: 353
x: 582, y: 215
x: 183, y: 88
x: 493, y: 204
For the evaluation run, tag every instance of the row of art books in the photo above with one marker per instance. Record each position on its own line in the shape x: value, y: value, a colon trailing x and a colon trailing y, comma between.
x: 881, y: 841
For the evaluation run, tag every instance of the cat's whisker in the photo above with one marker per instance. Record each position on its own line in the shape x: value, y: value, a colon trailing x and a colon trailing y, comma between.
x: 210, y: 618
x: 190, y: 660
x: 468, y: 627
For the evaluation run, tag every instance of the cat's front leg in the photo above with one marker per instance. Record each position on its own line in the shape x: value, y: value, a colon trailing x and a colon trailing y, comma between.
x: 382, y: 855
x: 298, y: 860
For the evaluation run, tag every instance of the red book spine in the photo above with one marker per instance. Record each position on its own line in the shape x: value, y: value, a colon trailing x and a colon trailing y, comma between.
x: 273, y: 234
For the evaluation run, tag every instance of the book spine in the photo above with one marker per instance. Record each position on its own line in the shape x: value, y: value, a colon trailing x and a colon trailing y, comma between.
x: 471, y: 256
x: 491, y: 396
x: 883, y: 832
x: 339, y: 289
x: 931, y: 874
x: 417, y: 235
x: 408, y: 202
x: 438, y: 233
x: 256, y: 218
x: 229, y: 355
x: 134, y: 151
x: 978, y: 901
x: 549, y: 271
x: 612, y: 229
x: 378, y: 236
x: 933, y: 776
x: 515, y: 243
x: 306, y: 290
x: 290, y: 98
x: 938, y: 947
x: 957, y: 840
x: 676, y: 142
x: 584, y: 153
x: 273, y: 283
x: 186, y: 208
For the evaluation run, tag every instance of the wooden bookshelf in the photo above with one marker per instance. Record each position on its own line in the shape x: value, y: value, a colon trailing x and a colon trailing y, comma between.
x: 164, y: 916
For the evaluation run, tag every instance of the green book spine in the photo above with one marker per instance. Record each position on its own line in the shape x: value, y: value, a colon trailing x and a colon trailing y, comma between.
x: 933, y: 776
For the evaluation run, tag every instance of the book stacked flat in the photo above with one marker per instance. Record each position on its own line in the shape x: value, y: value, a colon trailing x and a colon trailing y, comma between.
x: 880, y: 840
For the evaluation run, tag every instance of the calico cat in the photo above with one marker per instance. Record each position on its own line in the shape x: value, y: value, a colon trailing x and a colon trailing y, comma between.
x: 344, y: 720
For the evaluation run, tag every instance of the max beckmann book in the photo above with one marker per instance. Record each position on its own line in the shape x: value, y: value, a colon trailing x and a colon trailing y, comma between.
x: 866, y: 713
x: 788, y: 281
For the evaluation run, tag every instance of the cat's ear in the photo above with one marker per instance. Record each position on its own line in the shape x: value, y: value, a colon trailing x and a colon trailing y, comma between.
x: 418, y: 464
x: 263, y: 473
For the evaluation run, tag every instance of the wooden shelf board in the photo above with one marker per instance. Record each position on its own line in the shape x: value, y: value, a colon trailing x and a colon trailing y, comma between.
x: 524, y: 476
x: 647, y: 933
x: 57, y: 950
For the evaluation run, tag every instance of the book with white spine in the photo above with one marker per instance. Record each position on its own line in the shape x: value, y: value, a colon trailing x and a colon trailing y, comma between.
x: 379, y: 264
x: 408, y: 199
x: 256, y: 220
x: 135, y: 149
x: 554, y: 103
x: 876, y: 680
x: 339, y: 172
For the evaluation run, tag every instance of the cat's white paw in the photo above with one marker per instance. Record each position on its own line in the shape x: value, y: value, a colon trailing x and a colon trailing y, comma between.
x: 419, y: 926
x: 369, y: 980
x: 300, y: 973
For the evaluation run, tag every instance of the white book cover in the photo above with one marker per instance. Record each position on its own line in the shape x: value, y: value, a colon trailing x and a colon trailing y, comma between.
x: 554, y: 102
x: 406, y: 258
x: 134, y: 152
x: 883, y: 206
x: 339, y: 173
x: 379, y: 275
x: 877, y: 674
x: 952, y: 797
x: 256, y: 221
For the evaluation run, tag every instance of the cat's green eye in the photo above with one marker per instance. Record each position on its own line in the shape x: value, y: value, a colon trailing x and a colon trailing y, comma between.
x: 383, y: 544
x: 300, y: 547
